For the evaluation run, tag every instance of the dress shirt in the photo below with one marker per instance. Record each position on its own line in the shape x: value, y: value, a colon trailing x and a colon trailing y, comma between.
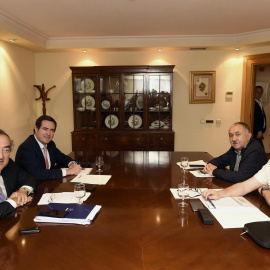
x: 41, y: 145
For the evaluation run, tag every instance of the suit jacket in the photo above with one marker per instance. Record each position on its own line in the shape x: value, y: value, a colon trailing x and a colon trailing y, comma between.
x: 29, y: 157
x: 259, y: 118
x: 14, y: 178
x: 253, y: 158
x: 6, y: 209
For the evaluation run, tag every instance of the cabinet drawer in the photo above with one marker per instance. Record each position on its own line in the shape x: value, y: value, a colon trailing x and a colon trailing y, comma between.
x: 123, y: 141
x: 83, y: 141
x: 161, y: 140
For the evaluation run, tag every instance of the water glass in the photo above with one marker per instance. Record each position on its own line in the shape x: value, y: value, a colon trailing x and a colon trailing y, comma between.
x: 183, y: 192
x: 79, y: 191
x: 99, y: 163
x: 184, y: 163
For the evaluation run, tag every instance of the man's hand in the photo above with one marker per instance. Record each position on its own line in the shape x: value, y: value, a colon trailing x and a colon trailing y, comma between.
x: 20, y: 197
x: 211, y: 194
x: 74, y: 169
x: 209, y: 168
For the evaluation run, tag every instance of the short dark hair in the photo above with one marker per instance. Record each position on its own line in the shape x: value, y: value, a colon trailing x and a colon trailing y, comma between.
x: 44, y: 118
x: 259, y: 87
x: 2, y: 132
x: 242, y: 124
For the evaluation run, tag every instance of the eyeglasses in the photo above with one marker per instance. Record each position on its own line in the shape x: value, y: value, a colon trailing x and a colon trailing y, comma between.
x: 194, y: 192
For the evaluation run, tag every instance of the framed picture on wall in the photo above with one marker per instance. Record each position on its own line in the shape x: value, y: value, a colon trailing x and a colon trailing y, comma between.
x: 202, y: 87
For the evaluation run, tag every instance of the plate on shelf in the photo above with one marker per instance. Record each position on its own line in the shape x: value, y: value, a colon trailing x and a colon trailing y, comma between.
x: 125, y: 85
x: 105, y: 104
x: 139, y: 102
x: 80, y: 109
x: 87, y: 85
x: 111, y: 121
x: 157, y: 124
x: 135, y: 121
x: 88, y: 102
x: 152, y: 109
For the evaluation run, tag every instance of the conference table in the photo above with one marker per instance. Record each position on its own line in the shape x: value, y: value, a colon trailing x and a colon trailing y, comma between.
x: 140, y: 225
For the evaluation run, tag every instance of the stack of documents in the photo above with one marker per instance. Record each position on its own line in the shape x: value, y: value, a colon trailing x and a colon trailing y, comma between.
x: 94, y: 179
x: 77, y: 213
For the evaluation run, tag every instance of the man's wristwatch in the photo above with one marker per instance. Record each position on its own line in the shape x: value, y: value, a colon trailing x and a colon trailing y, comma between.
x: 264, y: 188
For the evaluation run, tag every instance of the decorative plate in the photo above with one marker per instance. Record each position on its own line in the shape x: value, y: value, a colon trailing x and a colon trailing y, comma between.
x: 88, y: 102
x: 157, y: 124
x: 105, y: 104
x: 87, y: 85
x: 111, y: 121
x: 139, y: 102
x: 125, y: 85
x: 135, y: 121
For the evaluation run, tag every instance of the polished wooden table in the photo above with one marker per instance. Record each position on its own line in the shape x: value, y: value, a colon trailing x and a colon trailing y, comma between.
x: 140, y: 225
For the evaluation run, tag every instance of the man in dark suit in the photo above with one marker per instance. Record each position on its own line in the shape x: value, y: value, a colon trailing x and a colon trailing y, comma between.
x: 259, y: 116
x: 15, y: 184
x: 38, y: 153
x: 245, y: 157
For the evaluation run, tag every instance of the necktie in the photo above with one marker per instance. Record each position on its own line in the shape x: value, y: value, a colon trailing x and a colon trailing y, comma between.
x: 46, y: 157
x: 238, y: 159
x: 2, y: 196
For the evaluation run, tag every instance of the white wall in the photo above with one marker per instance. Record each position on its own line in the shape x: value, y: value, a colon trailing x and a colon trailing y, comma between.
x: 20, y: 69
x: 53, y: 68
x: 17, y: 76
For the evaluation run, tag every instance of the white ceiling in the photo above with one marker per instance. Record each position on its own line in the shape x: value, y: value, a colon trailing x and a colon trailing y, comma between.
x: 65, y: 25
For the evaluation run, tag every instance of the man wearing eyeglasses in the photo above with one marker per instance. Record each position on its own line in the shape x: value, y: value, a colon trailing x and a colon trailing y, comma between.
x: 245, y: 157
x: 15, y: 184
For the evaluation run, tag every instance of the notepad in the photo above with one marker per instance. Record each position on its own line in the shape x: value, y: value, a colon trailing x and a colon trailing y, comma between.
x: 91, y: 179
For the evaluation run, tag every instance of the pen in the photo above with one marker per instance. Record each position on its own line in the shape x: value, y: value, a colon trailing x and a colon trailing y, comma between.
x: 202, y: 172
x: 211, y: 202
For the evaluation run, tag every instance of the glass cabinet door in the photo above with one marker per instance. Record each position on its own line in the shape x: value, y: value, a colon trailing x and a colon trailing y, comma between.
x: 134, y: 101
x: 85, y: 102
x: 110, y: 102
x: 160, y: 87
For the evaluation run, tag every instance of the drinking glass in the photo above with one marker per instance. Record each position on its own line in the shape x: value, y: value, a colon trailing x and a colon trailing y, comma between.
x: 79, y: 191
x: 184, y: 163
x: 99, y: 163
x: 183, y: 191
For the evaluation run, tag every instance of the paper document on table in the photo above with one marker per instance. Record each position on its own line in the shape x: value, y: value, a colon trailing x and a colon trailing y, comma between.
x: 193, y: 164
x: 83, y: 171
x: 199, y: 173
x: 234, y: 212
x: 231, y: 203
x: 192, y: 194
x: 61, y: 197
x: 229, y: 219
x: 93, y: 179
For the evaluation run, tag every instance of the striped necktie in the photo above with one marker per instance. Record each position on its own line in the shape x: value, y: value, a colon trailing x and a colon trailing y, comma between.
x: 238, y: 159
x: 2, y: 196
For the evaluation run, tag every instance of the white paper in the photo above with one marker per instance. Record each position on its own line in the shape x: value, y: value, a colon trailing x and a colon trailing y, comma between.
x: 61, y: 197
x: 192, y: 193
x: 200, y: 163
x: 85, y: 171
x: 197, y: 173
x: 234, y: 212
x: 229, y: 203
x: 93, y: 179
x: 238, y: 218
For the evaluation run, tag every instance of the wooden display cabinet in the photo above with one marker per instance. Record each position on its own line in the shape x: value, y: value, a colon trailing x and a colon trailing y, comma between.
x: 122, y: 108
